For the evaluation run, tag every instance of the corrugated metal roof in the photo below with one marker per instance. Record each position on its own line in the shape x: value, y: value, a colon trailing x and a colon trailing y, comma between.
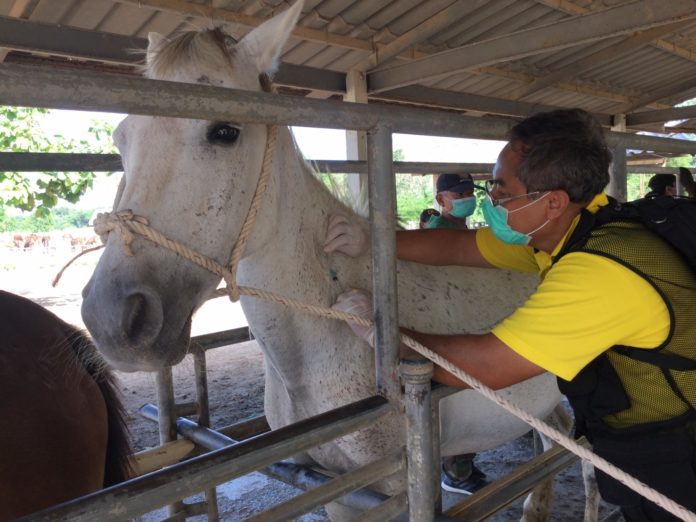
x: 603, y: 65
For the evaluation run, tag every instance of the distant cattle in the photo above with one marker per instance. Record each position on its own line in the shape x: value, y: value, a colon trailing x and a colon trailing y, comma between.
x: 30, y: 240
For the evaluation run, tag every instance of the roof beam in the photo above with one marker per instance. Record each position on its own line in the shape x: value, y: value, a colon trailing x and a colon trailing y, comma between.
x: 15, y: 11
x: 612, y: 52
x: 181, y: 7
x: 576, y: 30
x: 569, y: 7
x: 125, y: 50
x: 420, y: 33
x: 661, y: 116
x: 671, y: 89
x: 471, y: 102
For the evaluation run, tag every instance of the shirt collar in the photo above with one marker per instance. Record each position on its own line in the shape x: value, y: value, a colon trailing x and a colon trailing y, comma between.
x: 593, y: 206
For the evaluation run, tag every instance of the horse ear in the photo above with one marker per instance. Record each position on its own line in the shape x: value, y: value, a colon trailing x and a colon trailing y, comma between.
x: 265, y: 43
x: 155, y: 43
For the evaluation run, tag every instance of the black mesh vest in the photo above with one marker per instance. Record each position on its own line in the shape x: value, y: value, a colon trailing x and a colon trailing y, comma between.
x: 628, y: 390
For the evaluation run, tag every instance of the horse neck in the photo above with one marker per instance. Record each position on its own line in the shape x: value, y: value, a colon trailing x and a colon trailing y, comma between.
x: 289, y: 231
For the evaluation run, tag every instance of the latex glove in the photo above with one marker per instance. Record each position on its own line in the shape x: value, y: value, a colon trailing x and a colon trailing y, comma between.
x: 358, y: 302
x: 345, y: 237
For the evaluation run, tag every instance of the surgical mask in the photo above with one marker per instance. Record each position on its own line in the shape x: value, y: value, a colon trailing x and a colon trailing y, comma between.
x: 464, y: 207
x: 497, y: 219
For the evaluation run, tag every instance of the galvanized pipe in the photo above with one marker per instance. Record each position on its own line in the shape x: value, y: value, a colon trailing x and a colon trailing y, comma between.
x: 382, y: 190
x: 31, y: 86
x: 332, y: 490
x: 143, y: 494
x: 166, y: 424
x: 416, y: 375
x: 201, y: 378
x: 293, y: 474
x: 78, y: 162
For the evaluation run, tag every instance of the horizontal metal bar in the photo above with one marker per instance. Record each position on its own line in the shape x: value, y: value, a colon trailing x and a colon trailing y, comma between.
x: 223, y: 338
x: 59, y: 162
x: 246, y: 428
x: 140, y: 495
x: 293, y: 474
x: 495, y: 496
x: 79, y: 162
x: 387, y: 510
x: 86, y: 90
x: 337, y: 487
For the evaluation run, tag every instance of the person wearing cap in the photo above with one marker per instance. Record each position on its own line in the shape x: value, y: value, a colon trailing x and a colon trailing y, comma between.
x: 455, y: 195
x: 612, y: 317
x: 425, y: 216
x: 662, y: 185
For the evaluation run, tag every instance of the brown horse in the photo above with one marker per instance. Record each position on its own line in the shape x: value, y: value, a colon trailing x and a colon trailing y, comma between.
x: 64, y: 432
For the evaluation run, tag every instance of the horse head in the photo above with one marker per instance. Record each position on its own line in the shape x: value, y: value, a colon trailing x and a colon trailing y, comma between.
x: 192, y: 181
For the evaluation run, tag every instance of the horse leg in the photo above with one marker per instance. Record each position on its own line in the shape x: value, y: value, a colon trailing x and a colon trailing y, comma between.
x: 591, y: 492
x: 537, y: 505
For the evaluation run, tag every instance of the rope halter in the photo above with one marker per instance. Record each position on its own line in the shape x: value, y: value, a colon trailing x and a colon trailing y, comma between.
x: 125, y: 224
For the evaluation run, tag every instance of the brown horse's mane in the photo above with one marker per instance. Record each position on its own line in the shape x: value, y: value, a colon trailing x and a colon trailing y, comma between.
x: 117, y: 466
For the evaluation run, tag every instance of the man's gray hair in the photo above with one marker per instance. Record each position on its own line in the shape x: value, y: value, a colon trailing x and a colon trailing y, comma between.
x: 562, y: 149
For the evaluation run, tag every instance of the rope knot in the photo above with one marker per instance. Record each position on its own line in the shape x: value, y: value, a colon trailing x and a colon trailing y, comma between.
x: 119, y: 222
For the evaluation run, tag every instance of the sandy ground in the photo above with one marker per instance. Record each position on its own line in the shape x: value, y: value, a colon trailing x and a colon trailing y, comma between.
x: 235, y: 377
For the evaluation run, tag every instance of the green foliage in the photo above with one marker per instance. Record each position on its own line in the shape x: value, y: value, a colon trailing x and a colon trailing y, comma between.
x: 413, y: 194
x: 59, y: 219
x: 20, y: 132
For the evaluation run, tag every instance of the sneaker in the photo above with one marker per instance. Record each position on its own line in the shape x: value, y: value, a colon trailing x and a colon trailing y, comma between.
x: 467, y: 486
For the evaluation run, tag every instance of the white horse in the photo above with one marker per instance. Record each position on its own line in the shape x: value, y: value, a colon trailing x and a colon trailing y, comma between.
x: 194, y: 180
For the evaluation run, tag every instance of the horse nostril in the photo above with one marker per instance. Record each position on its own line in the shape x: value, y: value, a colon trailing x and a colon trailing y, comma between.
x: 141, y: 317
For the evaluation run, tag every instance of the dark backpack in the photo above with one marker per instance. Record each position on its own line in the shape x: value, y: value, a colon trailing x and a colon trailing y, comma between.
x: 671, y: 218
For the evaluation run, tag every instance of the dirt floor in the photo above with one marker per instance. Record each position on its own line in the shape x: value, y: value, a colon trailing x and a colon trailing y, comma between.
x: 235, y: 376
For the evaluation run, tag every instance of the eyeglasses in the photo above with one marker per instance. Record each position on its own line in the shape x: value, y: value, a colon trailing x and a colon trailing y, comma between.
x: 491, y: 185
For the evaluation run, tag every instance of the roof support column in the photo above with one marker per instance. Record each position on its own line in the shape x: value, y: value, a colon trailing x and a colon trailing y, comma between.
x: 356, y: 92
x: 618, y: 186
x: 618, y: 183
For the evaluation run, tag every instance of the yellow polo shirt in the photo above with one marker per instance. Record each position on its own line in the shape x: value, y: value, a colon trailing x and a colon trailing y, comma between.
x: 583, y: 306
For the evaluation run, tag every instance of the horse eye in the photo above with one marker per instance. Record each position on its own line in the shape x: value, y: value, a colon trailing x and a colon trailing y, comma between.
x: 222, y: 134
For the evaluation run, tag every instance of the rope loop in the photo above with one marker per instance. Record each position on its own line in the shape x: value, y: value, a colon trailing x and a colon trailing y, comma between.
x: 118, y: 222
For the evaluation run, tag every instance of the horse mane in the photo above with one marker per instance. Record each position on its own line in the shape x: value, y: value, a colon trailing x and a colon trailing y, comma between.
x: 117, y: 466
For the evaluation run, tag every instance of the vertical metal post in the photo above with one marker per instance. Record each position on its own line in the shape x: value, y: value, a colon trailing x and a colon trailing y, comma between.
x: 618, y: 185
x: 437, y: 457
x: 419, y: 440
x: 200, y: 370
x: 382, y: 190
x: 167, y: 418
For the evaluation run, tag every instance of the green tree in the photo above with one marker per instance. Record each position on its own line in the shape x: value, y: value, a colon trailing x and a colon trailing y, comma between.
x: 20, y: 132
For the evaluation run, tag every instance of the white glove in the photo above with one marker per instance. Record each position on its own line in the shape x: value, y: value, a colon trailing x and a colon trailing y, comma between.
x: 358, y: 302
x: 345, y: 237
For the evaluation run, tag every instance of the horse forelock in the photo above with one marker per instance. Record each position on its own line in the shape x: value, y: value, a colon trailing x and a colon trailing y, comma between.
x: 210, y: 46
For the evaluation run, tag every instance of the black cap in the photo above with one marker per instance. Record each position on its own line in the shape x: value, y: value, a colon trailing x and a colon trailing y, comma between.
x: 455, y: 183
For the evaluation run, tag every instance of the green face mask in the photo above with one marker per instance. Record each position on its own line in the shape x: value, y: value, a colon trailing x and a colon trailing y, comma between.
x: 497, y: 219
x: 464, y: 207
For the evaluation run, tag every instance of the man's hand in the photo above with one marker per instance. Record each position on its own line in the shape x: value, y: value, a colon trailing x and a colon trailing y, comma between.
x: 358, y: 302
x: 345, y: 237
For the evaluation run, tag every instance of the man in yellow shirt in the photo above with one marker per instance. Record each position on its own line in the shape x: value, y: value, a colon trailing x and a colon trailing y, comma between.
x: 608, y: 295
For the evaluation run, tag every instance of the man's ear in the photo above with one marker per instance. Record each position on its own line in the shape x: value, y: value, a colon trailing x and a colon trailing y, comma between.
x: 558, y: 202
x: 440, y: 200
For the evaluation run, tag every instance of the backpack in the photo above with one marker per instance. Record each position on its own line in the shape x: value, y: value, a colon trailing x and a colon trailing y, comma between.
x: 671, y: 218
